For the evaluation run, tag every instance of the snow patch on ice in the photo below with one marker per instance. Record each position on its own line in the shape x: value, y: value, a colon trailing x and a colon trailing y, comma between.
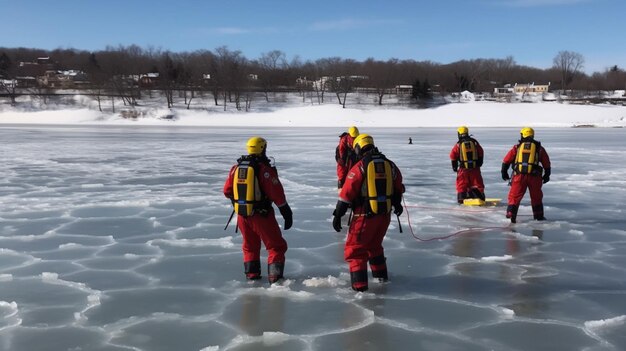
x: 496, y: 258
x: 274, y: 338
x: 6, y: 277
x: 9, y: 315
x: 507, y: 313
x: 576, y: 232
x: 603, y: 324
x: 328, y: 282
x: 69, y: 246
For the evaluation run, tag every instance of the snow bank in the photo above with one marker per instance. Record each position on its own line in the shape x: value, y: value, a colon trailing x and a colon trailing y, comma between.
x: 475, y: 114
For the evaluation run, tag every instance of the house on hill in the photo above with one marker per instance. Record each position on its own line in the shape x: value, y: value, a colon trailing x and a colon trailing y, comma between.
x: 531, y: 88
x: 404, y: 89
x: 69, y: 79
x: 28, y: 72
x: 149, y: 80
x: 527, y: 91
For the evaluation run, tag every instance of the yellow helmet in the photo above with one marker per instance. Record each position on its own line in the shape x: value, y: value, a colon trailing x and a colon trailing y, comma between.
x: 353, y: 131
x: 362, y: 141
x: 462, y: 130
x: 256, y: 146
x: 527, y: 132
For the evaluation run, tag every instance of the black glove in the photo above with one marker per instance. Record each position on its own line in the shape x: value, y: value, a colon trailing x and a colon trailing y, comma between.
x: 455, y: 165
x: 340, y: 210
x: 398, y: 209
x: 396, y: 201
x: 339, y: 184
x: 505, y: 171
x: 479, y: 163
x: 546, y: 175
x: 337, y: 224
x: 285, y: 211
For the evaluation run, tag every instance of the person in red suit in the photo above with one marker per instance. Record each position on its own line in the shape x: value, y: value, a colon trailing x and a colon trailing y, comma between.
x: 253, y: 185
x: 344, y: 154
x: 526, y: 158
x: 467, y: 158
x: 373, y: 186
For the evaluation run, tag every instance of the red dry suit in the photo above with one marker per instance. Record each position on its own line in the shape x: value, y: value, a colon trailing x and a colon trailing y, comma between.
x: 345, y: 157
x: 527, y: 177
x: 467, y: 158
x: 261, y: 226
x: 367, y: 230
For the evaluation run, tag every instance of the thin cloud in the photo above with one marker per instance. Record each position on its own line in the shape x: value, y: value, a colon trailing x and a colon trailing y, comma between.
x: 230, y: 30
x: 539, y: 3
x: 234, y: 30
x: 348, y: 24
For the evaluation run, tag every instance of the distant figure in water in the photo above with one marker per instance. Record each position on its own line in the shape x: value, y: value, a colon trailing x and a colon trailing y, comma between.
x: 410, y: 140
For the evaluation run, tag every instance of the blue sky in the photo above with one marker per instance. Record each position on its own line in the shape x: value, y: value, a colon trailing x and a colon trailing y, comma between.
x: 532, y: 31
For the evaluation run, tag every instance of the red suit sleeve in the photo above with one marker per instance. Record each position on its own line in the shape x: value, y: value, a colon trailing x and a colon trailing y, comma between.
x: 270, y: 185
x: 481, y: 153
x: 343, y: 166
x: 352, y: 187
x: 454, y: 154
x: 228, y: 186
x: 398, y: 187
x: 509, y: 158
x: 544, y: 158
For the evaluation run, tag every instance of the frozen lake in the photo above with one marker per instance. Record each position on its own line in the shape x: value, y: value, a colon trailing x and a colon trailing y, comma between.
x: 112, y: 238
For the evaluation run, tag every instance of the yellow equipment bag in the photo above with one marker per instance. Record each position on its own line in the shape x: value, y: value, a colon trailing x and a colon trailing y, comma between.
x: 379, y: 185
x: 479, y: 202
x: 246, y: 189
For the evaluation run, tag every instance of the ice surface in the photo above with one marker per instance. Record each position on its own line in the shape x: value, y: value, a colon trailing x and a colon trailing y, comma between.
x: 111, y: 238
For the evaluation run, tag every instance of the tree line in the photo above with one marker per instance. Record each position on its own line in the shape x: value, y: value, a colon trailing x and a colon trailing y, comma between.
x: 229, y: 76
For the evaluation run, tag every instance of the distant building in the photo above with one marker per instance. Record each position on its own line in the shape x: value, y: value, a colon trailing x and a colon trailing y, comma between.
x: 516, y: 88
x: 69, y: 79
x: 531, y: 88
x: 404, y: 89
x: 506, y: 90
x: 149, y: 80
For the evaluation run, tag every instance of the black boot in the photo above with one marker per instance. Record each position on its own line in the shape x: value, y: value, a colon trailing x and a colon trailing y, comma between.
x: 359, y: 280
x: 275, y: 271
x: 511, y: 212
x: 476, y: 194
x: 460, y: 197
x: 378, y: 265
x: 538, y: 213
x: 252, y: 269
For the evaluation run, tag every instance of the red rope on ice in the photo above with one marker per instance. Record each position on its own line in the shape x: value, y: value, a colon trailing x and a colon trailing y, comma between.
x: 455, y: 210
x: 471, y: 229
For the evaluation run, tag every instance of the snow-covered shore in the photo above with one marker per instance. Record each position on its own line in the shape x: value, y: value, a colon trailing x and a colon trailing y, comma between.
x: 475, y: 114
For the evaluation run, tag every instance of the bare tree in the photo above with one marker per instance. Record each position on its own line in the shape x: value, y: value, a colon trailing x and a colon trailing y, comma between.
x: 343, y: 77
x: 97, y: 79
x: 272, y: 65
x: 8, y: 83
x: 569, y: 64
x: 383, y: 76
x: 231, y: 74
